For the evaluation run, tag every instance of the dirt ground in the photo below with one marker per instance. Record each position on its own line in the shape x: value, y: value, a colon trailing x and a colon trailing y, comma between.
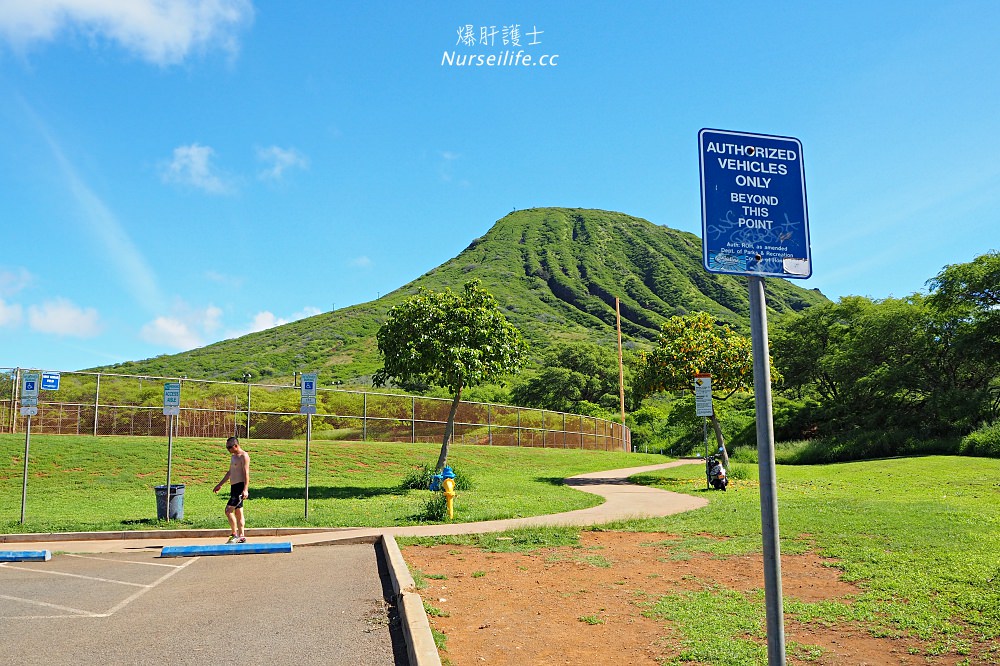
x: 581, y: 605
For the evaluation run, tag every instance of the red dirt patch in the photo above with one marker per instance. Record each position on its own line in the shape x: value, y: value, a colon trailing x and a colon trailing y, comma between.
x: 581, y: 604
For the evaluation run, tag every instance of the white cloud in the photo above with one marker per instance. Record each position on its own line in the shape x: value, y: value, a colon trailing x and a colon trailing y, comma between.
x: 162, y: 32
x: 61, y: 317
x: 266, y: 319
x: 10, y: 315
x: 170, y: 332
x: 14, y: 281
x: 211, y: 319
x: 362, y: 262
x: 279, y: 160
x: 185, y: 328
x: 192, y: 165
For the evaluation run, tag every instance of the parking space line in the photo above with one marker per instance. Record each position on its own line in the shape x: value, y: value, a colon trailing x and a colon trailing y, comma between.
x: 76, y: 611
x: 108, y: 559
x: 70, y: 575
x: 139, y: 593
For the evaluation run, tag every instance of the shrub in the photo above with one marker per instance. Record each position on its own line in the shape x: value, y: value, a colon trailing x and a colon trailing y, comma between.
x: 985, y: 441
x: 420, y: 479
x: 435, y: 509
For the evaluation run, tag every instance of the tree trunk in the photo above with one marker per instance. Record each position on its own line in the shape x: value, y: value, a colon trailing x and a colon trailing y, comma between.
x: 721, y: 441
x: 449, y: 431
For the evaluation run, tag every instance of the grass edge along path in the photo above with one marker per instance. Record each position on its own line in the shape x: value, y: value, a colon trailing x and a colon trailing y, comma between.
x: 917, y: 536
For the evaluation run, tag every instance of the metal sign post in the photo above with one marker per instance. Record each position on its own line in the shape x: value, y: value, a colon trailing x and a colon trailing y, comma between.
x: 307, y: 406
x: 24, y: 482
x: 171, y: 409
x: 768, y: 478
x: 29, y: 408
x: 755, y: 223
x: 703, y: 407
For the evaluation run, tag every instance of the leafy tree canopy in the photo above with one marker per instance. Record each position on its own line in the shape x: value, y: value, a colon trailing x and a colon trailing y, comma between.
x: 449, y: 340
x: 693, y: 344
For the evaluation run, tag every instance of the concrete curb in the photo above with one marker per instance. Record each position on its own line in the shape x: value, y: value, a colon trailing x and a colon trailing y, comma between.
x: 420, y: 647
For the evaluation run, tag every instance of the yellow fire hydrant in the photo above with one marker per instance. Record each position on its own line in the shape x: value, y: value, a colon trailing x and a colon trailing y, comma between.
x: 448, y: 487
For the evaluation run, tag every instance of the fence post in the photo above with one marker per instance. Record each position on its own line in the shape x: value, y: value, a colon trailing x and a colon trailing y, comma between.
x: 14, y: 400
x: 97, y: 402
x: 489, y: 425
x: 364, y: 420
x: 564, y: 430
x: 413, y: 419
x: 519, y: 426
x: 543, y: 428
x: 248, y: 409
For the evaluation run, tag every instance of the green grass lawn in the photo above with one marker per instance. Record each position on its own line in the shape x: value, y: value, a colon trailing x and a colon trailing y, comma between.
x: 106, y: 483
x: 920, y: 537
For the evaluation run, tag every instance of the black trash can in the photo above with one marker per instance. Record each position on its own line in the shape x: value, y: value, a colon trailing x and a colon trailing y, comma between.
x: 176, y: 501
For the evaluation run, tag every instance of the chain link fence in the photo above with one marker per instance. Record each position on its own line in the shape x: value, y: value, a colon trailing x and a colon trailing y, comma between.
x: 89, y: 403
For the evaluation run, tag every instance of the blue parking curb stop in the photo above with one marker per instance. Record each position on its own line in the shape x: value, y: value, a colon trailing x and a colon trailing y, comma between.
x: 25, y: 556
x: 227, y: 549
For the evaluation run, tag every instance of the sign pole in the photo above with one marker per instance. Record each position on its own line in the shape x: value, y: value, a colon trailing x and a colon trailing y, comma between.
x: 768, y: 478
x: 309, y: 427
x: 24, y: 483
x: 307, y: 406
x: 29, y: 408
x: 171, y: 409
x: 170, y: 455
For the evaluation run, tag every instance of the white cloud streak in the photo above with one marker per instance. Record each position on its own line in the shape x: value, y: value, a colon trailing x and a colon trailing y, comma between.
x: 170, y: 332
x: 11, y: 282
x: 266, y: 319
x: 61, y: 317
x: 279, y: 160
x: 10, y: 315
x: 192, y: 166
x: 162, y: 32
x: 136, y: 275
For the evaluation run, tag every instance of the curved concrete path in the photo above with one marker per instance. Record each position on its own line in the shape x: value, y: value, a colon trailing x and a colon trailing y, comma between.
x: 623, y: 500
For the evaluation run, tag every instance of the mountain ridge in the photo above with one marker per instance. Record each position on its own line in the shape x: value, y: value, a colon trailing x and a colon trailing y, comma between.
x: 555, y: 273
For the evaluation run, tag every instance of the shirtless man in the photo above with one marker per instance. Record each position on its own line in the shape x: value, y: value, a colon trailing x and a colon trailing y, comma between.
x: 239, y: 480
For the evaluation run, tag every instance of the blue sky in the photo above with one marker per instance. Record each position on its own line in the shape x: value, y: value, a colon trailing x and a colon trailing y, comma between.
x: 176, y: 173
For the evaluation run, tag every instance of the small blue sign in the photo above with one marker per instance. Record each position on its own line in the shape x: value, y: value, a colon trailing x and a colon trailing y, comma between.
x: 753, y: 204
x: 50, y: 381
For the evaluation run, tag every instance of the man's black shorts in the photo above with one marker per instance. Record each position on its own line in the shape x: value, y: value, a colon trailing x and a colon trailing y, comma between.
x: 236, y: 495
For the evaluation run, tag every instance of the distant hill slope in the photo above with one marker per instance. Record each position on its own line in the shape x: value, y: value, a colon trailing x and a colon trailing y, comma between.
x: 555, y: 271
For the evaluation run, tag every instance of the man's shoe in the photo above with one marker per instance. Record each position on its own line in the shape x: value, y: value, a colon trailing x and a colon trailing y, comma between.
x: 232, y: 538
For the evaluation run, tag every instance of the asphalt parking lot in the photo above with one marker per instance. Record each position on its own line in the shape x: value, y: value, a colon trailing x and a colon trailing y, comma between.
x: 317, y: 604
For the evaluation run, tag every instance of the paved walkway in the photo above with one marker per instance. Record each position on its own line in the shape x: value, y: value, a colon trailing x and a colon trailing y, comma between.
x: 623, y: 500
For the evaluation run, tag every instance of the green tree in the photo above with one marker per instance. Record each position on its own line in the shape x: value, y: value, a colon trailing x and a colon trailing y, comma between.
x: 909, y: 364
x: 572, y: 374
x: 448, y: 340
x: 693, y: 344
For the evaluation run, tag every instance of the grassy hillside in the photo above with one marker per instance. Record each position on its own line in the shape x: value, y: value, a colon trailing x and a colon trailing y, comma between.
x: 555, y: 271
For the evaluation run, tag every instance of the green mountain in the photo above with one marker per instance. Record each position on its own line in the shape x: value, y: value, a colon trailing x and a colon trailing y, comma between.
x: 555, y: 271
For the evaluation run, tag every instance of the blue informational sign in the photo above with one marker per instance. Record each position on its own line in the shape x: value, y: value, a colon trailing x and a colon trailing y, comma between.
x: 753, y: 205
x: 50, y: 381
